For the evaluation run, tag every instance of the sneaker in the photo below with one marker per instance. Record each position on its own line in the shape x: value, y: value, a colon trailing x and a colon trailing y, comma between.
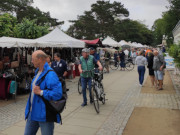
x: 83, y: 104
x: 140, y: 85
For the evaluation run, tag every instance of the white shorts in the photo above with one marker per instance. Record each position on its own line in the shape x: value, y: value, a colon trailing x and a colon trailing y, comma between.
x: 159, y: 75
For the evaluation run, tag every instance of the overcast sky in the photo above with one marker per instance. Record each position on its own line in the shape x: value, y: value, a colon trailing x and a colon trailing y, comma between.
x: 146, y: 11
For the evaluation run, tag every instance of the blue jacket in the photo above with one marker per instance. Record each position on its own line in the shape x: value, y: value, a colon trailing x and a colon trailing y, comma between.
x: 52, y: 90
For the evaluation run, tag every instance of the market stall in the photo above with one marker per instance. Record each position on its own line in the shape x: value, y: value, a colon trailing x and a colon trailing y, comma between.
x: 15, y: 61
x: 109, y: 41
x: 67, y: 46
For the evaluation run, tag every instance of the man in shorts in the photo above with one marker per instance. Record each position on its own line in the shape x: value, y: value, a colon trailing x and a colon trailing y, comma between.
x: 158, y: 66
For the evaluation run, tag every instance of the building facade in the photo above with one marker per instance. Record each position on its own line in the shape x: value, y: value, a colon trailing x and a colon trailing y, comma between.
x: 176, y: 33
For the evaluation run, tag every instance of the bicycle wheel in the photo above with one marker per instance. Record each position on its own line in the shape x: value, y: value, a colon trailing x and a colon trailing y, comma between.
x: 79, y: 86
x: 114, y: 65
x: 104, y: 70
x: 103, y: 98
x: 129, y: 66
x: 95, y: 99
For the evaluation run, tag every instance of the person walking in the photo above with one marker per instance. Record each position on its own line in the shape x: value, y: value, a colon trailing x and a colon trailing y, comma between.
x: 37, y: 114
x: 158, y: 66
x: 122, y: 59
x: 96, y: 55
x: 134, y: 55
x: 107, y: 57
x: 141, y: 62
x: 87, y: 62
x: 150, y: 56
x: 59, y: 66
x: 116, y: 58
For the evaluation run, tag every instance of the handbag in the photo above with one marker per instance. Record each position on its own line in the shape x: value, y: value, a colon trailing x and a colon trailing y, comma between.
x: 57, y: 106
x: 15, y: 64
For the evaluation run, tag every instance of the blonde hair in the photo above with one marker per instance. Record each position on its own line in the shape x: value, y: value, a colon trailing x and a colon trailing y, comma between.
x: 140, y: 53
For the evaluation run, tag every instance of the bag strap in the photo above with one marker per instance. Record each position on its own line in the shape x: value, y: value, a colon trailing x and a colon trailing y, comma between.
x: 42, y: 79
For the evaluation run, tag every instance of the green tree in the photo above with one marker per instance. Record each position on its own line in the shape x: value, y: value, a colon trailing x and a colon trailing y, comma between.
x: 158, y: 30
x: 29, y: 29
x: 7, y: 24
x: 131, y: 30
x: 13, y: 5
x: 174, y: 51
x: 167, y: 23
x: 23, y: 9
x: 98, y: 22
x: 104, y: 19
x: 34, y: 13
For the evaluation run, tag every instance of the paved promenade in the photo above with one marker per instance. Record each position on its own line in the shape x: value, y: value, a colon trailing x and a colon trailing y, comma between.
x: 123, y: 95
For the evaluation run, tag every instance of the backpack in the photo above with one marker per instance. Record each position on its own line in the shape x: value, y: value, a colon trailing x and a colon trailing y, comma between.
x: 57, y: 107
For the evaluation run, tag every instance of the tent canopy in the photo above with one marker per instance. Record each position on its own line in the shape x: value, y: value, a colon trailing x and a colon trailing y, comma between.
x: 109, y: 41
x: 123, y: 42
x: 92, y: 42
x: 17, y: 42
x: 110, y: 50
x: 57, y: 38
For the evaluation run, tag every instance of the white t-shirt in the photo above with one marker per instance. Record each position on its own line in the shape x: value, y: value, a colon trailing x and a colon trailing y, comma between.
x: 33, y: 85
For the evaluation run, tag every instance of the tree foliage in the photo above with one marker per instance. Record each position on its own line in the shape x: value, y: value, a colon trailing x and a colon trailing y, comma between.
x: 99, y: 21
x: 23, y: 9
x: 104, y: 19
x: 174, y: 51
x: 7, y: 24
x: 166, y: 24
x: 131, y: 30
x: 29, y: 29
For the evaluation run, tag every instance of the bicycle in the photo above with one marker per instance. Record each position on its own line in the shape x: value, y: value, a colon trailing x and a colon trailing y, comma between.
x: 79, y: 86
x: 129, y: 65
x: 103, y: 63
x: 97, y: 91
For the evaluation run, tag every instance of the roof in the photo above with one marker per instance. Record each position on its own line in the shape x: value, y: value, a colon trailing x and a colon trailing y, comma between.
x: 92, y: 42
x: 109, y: 41
x: 59, y: 39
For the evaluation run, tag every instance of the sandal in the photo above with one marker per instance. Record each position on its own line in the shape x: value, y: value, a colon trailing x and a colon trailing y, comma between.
x: 160, y: 89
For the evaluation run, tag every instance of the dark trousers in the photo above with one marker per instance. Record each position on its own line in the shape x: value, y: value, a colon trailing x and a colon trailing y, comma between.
x: 84, y: 82
x: 141, y: 71
x: 122, y: 64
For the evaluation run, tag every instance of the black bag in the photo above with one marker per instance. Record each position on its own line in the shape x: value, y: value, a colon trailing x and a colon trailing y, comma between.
x: 59, y: 105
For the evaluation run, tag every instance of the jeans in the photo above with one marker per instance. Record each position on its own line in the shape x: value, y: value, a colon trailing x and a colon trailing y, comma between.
x: 141, y: 71
x: 159, y: 75
x: 84, y: 82
x: 122, y: 64
x: 47, y: 128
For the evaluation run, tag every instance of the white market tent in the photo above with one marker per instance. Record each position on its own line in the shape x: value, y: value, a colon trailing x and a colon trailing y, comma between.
x: 109, y: 41
x: 134, y: 44
x: 57, y: 38
x: 140, y: 45
x: 123, y: 42
x: 17, y: 42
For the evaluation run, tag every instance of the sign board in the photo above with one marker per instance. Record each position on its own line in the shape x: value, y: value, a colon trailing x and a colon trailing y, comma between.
x: 169, y: 62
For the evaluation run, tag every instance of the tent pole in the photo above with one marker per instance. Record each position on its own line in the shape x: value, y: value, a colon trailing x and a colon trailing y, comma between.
x: 52, y: 49
x: 71, y: 53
